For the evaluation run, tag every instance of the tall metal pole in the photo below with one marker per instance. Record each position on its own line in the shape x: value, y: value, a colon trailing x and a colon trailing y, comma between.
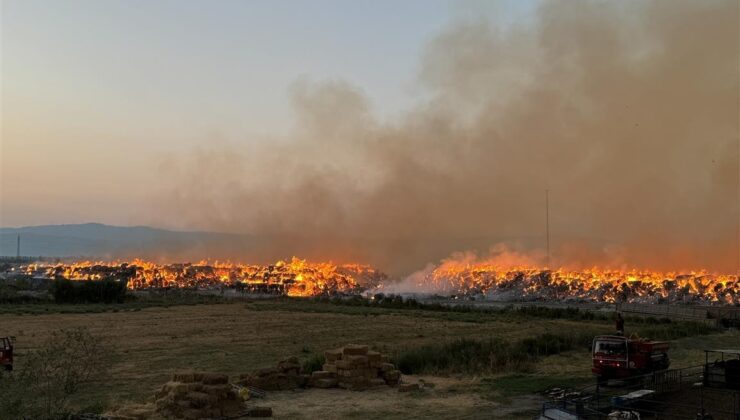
x: 18, y: 247
x: 547, y: 225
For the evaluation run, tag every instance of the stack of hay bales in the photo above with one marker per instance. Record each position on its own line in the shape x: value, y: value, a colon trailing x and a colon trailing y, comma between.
x: 356, y: 368
x: 286, y: 376
x: 193, y: 395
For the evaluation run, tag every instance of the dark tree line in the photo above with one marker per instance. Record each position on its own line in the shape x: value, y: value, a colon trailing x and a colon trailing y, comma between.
x: 89, y: 291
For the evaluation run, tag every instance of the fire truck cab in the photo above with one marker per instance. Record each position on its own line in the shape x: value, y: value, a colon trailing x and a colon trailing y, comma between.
x: 616, y: 356
x: 6, y: 352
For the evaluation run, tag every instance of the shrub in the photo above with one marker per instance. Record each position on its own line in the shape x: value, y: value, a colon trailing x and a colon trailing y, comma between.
x: 313, y: 363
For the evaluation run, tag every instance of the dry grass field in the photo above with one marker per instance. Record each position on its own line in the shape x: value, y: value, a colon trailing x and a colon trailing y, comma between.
x: 152, y: 343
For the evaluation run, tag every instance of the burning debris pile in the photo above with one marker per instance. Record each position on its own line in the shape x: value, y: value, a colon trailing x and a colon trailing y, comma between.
x: 593, y: 285
x: 453, y: 277
x: 294, y: 278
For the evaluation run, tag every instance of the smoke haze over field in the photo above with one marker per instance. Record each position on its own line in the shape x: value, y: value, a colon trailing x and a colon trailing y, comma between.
x: 626, y: 111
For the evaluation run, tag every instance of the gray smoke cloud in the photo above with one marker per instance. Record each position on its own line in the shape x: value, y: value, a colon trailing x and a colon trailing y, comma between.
x: 627, y: 112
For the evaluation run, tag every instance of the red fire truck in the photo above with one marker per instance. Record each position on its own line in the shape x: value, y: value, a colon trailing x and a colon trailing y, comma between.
x: 616, y: 356
x: 6, y: 352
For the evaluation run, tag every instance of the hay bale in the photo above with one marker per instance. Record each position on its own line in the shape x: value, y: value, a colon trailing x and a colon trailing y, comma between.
x: 185, y: 377
x: 196, y: 400
x: 214, y: 379
x: 350, y: 373
x: 199, y: 399
x: 291, y: 364
x: 392, y: 375
x: 163, y: 402
x: 220, y: 390
x: 343, y: 364
x: 176, y: 388
x: 322, y: 374
x: 373, y: 357
x: 292, y: 359
x: 355, y: 350
x: 267, y: 371
x: 370, y: 373
x: 333, y: 355
x: 195, y: 386
x: 385, y: 367
x: 377, y: 382
x: 408, y: 387
x: 329, y: 367
x: 302, y: 380
x: 356, y: 360
x: 259, y: 412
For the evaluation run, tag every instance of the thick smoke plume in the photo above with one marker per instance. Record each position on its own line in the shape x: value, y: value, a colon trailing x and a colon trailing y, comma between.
x: 627, y: 112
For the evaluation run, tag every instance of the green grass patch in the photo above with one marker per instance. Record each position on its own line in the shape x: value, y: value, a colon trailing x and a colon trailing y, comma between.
x: 132, y: 304
x: 491, y: 355
x: 513, y: 385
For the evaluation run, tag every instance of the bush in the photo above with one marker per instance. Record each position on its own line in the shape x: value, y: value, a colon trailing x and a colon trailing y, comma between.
x: 47, y: 377
x: 313, y: 363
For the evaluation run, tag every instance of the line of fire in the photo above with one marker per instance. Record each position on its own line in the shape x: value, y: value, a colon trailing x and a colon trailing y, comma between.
x: 298, y: 277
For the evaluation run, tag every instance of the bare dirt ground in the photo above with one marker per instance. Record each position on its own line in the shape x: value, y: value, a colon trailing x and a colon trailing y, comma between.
x: 152, y: 343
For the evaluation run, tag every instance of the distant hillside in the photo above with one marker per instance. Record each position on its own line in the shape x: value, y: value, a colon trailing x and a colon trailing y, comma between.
x: 104, y: 241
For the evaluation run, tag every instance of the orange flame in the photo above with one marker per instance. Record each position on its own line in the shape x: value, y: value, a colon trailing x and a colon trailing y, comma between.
x: 595, y: 284
x: 299, y: 277
x: 296, y: 277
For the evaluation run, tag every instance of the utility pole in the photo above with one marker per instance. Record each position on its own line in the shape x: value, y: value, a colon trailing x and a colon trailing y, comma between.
x: 18, y: 247
x: 547, y: 226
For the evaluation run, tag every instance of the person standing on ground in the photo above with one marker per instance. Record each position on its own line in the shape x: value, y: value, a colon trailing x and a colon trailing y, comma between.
x: 620, y: 324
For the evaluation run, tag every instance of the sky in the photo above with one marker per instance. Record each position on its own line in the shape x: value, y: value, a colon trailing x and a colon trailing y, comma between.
x: 366, y: 130
x: 96, y: 94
